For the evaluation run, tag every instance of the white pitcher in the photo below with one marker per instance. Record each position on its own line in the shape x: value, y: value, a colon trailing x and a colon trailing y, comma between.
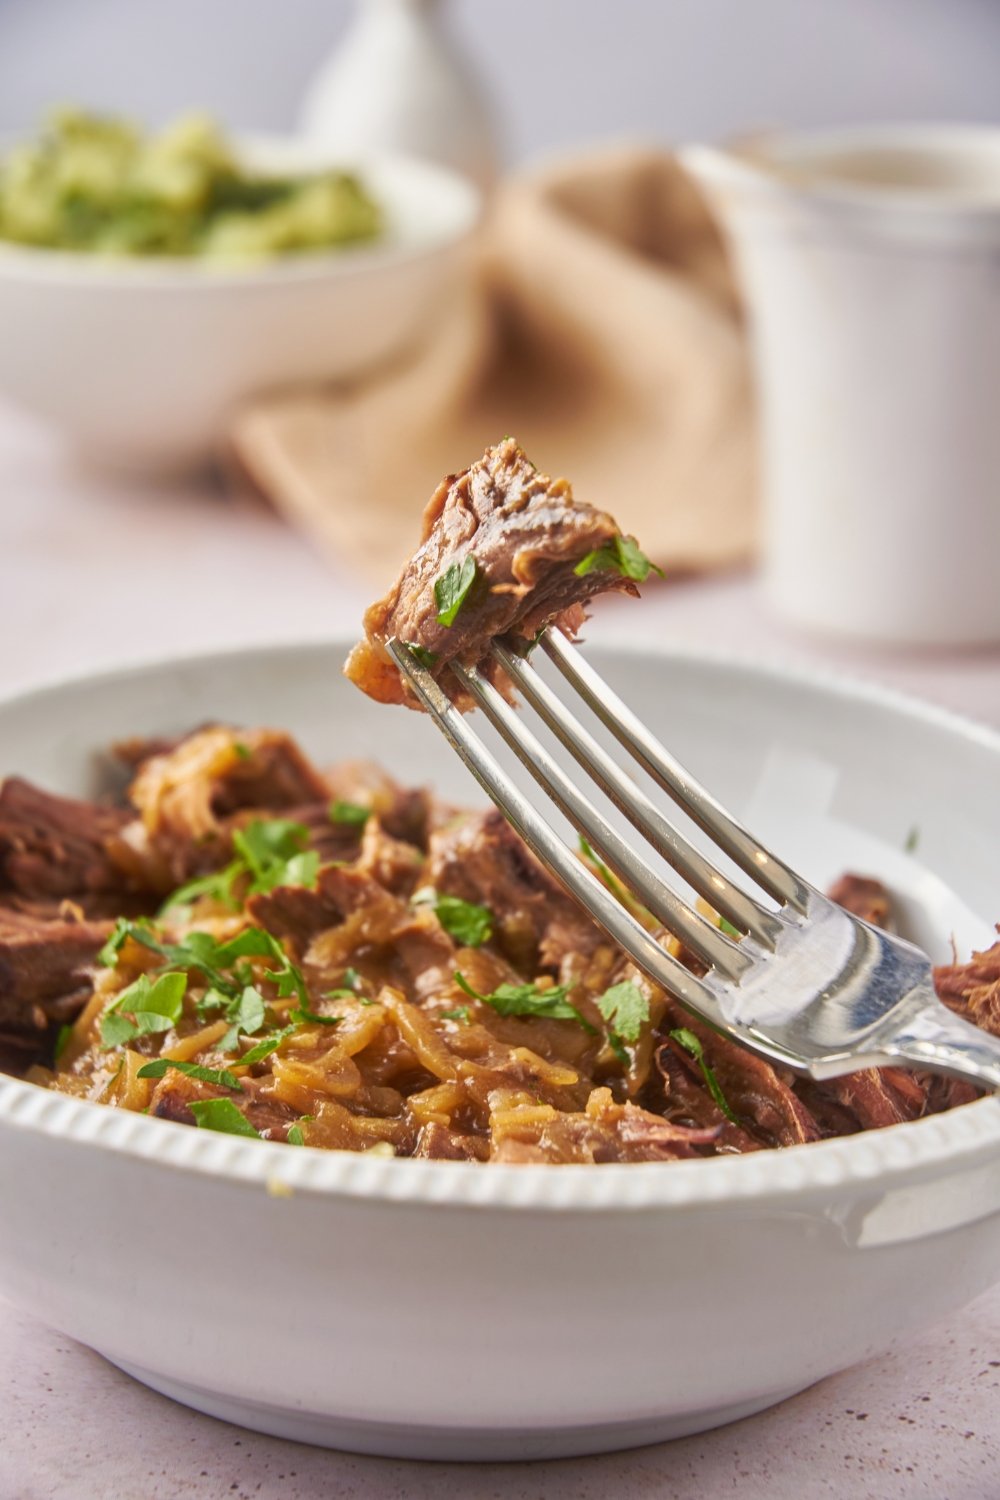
x: 870, y: 263
x: 396, y: 83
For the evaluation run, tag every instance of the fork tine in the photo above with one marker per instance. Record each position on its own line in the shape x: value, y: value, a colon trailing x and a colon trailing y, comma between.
x: 701, y: 936
x: 739, y: 908
x: 644, y: 950
x: 769, y: 872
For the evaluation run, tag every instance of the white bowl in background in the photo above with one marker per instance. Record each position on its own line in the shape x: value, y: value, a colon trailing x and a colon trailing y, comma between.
x: 140, y: 360
x: 449, y: 1310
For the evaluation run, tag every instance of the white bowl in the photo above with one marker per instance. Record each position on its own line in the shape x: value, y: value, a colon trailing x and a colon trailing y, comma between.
x: 448, y: 1310
x: 140, y: 361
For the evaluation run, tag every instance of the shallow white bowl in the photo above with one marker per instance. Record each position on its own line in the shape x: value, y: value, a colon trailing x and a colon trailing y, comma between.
x: 140, y: 361
x: 444, y: 1310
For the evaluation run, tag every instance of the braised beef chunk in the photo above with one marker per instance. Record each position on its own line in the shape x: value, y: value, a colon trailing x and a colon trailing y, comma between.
x: 44, y: 979
x: 864, y: 898
x: 55, y: 848
x: 512, y: 539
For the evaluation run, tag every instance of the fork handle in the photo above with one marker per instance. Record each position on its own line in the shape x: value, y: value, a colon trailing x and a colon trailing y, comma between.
x: 937, y: 1039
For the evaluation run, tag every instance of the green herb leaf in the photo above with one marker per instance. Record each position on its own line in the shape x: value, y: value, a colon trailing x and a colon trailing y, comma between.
x: 622, y: 555
x: 451, y: 589
x: 467, y: 923
x: 690, y: 1043
x: 158, y: 1067
x: 115, y: 1030
x: 219, y: 886
x: 304, y: 1017
x: 265, y: 1048
x: 353, y: 978
x: 424, y: 657
x: 294, y: 1136
x: 246, y: 1013
x: 460, y: 1013
x: 349, y: 814
x: 222, y: 1115
x: 618, y: 1048
x: 211, y: 1000
x: 154, y: 1006
x: 528, y: 1000
x: 625, y: 1008
x: 62, y: 1039
x: 729, y: 929
x: 275, y: 853
x: 243, y: 751
x: 138, y: 930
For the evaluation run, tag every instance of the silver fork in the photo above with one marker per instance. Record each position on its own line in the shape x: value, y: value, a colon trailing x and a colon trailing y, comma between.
x: 808, y: 987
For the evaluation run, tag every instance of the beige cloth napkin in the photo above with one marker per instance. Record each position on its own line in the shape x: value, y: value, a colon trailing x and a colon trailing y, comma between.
x: 600, y: 326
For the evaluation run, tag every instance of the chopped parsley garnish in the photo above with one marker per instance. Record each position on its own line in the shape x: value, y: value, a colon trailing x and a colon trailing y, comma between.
x: 222, y: 1115
x: 159, y: 1066
x: 527, y: 1000
x: 154, y: 1005
x: 349, y: 814
x: 616, y: 888
x: 460, y: 1013
x: 690, y: 1043
x: 303, y: 1017
x: 218, y: 885
x: 451, y: 589
x: 622, y: 555
x: 265, y: 1048
x: 272, y: 852
x: 246, y: 1013
x: 467, y: 923
x: 243, y: 751
x: 625, y: 1008
x: 64, y: 1034
x: 729, y: 929
x: 353, y: 979
x: 275, y: 853
x: 423, y: 656
x: 201, y: 951
x: 294, y: 1136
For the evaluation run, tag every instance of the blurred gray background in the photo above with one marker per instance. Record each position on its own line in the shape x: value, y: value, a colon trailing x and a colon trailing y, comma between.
x: 560, y: 71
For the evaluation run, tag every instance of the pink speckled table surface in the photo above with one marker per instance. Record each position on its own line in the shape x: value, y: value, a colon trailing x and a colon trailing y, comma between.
x: 88, y: 570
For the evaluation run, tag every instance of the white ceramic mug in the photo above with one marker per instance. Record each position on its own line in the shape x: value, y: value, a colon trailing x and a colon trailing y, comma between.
x: 870, y: 262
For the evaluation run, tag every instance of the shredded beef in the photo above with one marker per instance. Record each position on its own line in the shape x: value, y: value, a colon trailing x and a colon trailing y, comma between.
x: 527, y: 533
x: 864, y: 898
x: 481, y: 859
x: 56, y: 848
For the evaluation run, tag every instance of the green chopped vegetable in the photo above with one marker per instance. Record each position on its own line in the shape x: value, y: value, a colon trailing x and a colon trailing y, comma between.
x: 62, y: 1039
x: 460, y: 1013
x: 622, y: 555
x: 353, y: 978
x: 246, y: 1013
x: 243, y: 751
x: 303, y: 1017
x: 467, y: 923
x: 528, y: 1000
x: 265, y: 1048
x: 452, y: 588
x: 729, y: 929
x: 158, y: 1067
x: 912, y: 840
x: 222, y: 1115
x: 275, y: 854
x: 625, y: 1008
x: 690, y: 1043
x: 93, y: 183
x: 153, y: 1005
x: 424, y: 657
x: 349, y: 814
x: 219, y: 886
x: 295, y: 1136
